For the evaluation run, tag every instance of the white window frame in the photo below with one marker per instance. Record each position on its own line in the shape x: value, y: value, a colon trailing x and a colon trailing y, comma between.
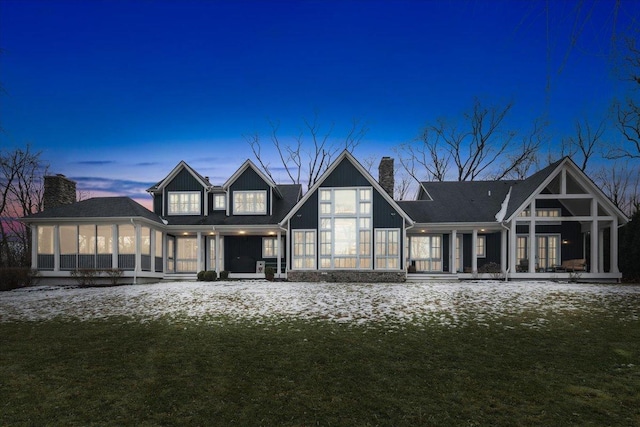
x: 46, y: 240
x: 385, y: 255
x: 305, y: 255
x: 244, y: 193
x: 270, y: 247
x: 217, y: 197
x: 430, y: 260
x: 481, y: 246
x: 173, y: 208
x: 363, y: 214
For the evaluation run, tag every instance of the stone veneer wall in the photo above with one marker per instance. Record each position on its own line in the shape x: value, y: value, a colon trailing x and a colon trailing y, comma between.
x: 58, y: 190
x: 347, y: 276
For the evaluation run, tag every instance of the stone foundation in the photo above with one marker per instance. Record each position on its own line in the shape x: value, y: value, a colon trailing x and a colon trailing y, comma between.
x: 347, y: 276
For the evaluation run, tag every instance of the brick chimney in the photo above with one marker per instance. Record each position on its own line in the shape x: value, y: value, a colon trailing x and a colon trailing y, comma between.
x: 58, y: 190
x: 385, y: 175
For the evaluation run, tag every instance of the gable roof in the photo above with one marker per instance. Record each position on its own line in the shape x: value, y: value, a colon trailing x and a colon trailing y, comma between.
x: 97, y: 207
x: 290, y: 195
x: 246, y: 165
x: 182, y: 165
x: 538, y: 181
x: 346, y: 155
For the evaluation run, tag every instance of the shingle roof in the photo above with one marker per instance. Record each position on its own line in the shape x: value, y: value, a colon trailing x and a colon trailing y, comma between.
x: 98, y: 207
x: 473, y: 201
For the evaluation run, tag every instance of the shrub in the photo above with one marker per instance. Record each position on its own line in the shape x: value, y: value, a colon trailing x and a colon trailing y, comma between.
x: 114, y: 275
x: 269, y: 273
x: 201, y: 275
x: 85, y: 276
x: 630, y: 249
x: 210, y: 276
x: 224, y: 275
x: 490, y: 267
x: 17, y: 277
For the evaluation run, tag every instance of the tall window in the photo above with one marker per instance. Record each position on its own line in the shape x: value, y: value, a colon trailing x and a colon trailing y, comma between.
x: 249, y: 202
x: 145, y: 241
x: 126, y: 239
x: 184, y: 203
x: 87, y: 239
x: 481, y: 247
x: 345, y: 228
x: 45, y: 240
x: 304, y: 253
x: 186, y: 254
x: 426, y: 252
x: 212, y: 253
x: 522, y: 248
x: 548, y: 251
x: 388, y: 249
x: 158, y: 248
x: 219, y: 201
x: 105, y: 239
x: 459, y: 257
x: 269, y: 247
x: 68, y: 240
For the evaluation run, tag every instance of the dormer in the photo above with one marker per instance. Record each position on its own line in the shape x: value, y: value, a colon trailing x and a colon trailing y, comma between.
x: 250, y: 192
x: 183, y: 192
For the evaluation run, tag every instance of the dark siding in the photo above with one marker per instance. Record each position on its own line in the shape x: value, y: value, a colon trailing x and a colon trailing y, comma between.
x: 184, y: 181
x: 242, y: 252
x: 247, y: 181
x: 572, y: 234
x: 384, y: 215
x: 466, y: 251
x: 307, y: 216
x: 445, y: 252
x: 157, y: 204
x: 345, y: 175
x: 492, y: 249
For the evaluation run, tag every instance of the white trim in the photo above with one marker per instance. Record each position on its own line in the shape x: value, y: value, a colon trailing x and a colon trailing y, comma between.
x: 224, y: 197
x: 181, y: 165
x: 386, y: 256
x: 244, y: 192
x: 304, y: 243
x: 187, y: 193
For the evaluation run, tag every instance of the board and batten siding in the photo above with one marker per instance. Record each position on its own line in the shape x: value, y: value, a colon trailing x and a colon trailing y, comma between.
x: 249, y: 180
x: 184, y: 181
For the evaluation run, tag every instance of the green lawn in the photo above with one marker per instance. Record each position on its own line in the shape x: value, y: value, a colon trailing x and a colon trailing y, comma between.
x: 579, y: 369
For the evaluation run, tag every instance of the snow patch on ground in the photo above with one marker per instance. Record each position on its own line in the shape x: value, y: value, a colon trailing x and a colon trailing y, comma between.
x: 448, y: 304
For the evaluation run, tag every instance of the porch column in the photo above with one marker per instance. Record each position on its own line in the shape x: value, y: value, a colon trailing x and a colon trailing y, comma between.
x: 115, y: 247
x: 138, y: 234
x: 218, y: 252
x: 474, y: 251
x: 165, y: 252
x: 613, y: 241
x: 594, y: 236
x: 503, y: 250
x: 531, y: 250
x: 279, y: 245
x: 199, y: 251
x: 454, y: 251
x: 56, y: 248
x: 34, y: 246
x: 601, y: 250
x: 512, y: 247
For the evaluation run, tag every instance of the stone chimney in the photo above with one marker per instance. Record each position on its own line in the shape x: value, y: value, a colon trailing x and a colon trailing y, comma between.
x: 385, y: 175
x: 58, y: 190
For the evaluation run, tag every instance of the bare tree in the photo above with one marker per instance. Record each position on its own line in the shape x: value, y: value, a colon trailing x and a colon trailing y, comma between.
x: 481, y: 147
x: 628, y: 111
x: 309, y: 154
x: 620, y: 181
x: 22, y: 191
x: 584, y: 143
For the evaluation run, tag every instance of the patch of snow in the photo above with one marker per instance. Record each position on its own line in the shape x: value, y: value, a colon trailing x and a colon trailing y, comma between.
x: 448, y: 304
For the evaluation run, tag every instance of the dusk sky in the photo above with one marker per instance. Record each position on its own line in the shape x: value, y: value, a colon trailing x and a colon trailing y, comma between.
x: 116, y: 93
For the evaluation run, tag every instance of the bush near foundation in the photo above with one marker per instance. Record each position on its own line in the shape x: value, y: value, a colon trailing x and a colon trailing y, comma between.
x: 16, y: 277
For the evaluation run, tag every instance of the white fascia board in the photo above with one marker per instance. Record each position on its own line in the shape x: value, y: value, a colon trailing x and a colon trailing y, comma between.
x: 176, y: 170
x: 459, y: 226
x: 249, y: 164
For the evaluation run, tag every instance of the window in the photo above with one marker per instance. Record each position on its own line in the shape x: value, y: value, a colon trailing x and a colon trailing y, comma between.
x: 105, y: 239
x: 87, y: 239
x: 158, y: 248
x: 145, y: 241
x: 426, y: 252
x: 547, y: 250
x: 345, y: 228
x: 270, y: 247
x: 186, y: 254
x: 459, y: 257
x: 542, y: 212
x: 249, y: 202
x: 68, y: 239
x: 388, y: 249
x: 304, y: 253
x: 481, y: 247
x: 126, y: 239
x: 219, y: 201
x: 212, y: 253
x: 184, y: 203
x: 45, y: 240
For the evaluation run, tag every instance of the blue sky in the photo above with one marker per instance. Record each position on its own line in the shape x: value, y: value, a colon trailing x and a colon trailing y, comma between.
x: 116, y: 93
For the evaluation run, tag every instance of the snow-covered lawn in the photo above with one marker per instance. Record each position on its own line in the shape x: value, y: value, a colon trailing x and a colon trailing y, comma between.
x: 449, y: 304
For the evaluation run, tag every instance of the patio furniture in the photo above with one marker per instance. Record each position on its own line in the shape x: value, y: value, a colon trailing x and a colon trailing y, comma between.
x: 572, y: 265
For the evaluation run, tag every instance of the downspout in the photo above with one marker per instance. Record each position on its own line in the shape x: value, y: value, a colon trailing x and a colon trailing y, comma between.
x: 502, y: 213
x: 508, y: 269
x: 135, y: 256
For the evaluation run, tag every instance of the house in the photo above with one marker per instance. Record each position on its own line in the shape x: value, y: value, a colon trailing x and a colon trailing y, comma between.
x: 347, y: 227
